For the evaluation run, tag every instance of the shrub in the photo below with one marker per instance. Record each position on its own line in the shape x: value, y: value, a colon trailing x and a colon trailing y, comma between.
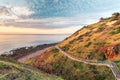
x: 94, y: 39
x: 79, y: 52
x: 102, y: 43
x: 88, y: 44
x: 116, y: 31
x: 66, y: 47
x: 96, y: 55
x: 55, y: 50
x: 100, y: 29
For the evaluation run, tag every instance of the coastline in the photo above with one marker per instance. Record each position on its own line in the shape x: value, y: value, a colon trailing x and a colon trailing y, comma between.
x: 32, y: 55
x: 22, y: 52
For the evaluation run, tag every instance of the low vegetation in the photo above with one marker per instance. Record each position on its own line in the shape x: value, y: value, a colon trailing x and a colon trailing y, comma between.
x: 10, y: 70
x: 91, y: 38
x: 115, y: 31
x: 88, y: 44
x: 54, y: 62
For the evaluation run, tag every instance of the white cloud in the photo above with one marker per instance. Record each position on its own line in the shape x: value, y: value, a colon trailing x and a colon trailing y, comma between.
x: 19, y: 17
x: 21, y: 11
x: 14, y: 12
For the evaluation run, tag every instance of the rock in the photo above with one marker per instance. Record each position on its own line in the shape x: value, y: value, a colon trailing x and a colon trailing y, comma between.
x: 110, y: 51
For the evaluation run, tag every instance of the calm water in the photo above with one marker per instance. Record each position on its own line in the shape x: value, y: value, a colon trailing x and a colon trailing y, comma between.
x: 9, y: 42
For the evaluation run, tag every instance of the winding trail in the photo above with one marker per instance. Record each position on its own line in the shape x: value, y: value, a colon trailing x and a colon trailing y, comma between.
x: 32, y: 55
x: 109, y: 64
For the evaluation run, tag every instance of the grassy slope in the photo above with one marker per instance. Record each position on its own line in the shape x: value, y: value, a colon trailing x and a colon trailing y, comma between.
x: 52, y: 61
x: 10, y: 70
x: 85, y: 41
x: 83, y: 44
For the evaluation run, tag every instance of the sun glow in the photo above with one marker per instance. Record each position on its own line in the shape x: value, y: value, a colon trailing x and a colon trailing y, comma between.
x: 17, y: 30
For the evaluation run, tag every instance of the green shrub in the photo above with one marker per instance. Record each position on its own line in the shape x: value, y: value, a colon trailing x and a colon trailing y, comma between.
x: 55, y: 50
x: 88, y: 44
x: 100, y: 29
x: 66, y: 47
x: 79, y: 52
x: 95, y: 39
x: 96, y: 55
x: 116, y: 31
x: 102, y: 43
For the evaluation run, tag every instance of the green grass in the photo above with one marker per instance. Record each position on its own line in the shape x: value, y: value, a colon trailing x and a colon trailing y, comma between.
x: 10, y: 70
x: 102, y: 43
x: 117, y: 63
x: 116, y: 31
x: 72, y: 70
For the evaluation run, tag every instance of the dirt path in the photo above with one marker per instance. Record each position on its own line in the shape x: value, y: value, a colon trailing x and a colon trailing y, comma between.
x: 25, y: 58
x: 109, y: 64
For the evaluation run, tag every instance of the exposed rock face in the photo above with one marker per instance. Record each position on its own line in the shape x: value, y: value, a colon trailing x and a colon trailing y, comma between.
x: 111, y: 51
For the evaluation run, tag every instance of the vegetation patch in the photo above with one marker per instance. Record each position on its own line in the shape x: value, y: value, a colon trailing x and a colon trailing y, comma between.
x: 100, y: 29
x: 69, y: 69
x: 88, y: 44
x: 102, y: 43
x: 96, y: 55
x: 10, y: 70
x: 116, y: 31
x: 66, y: 47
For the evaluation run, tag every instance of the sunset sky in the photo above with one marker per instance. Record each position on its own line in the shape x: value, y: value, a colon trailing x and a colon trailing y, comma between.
x: 52, y: 16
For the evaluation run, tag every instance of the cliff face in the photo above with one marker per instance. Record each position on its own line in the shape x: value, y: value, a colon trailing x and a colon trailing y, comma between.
x: 111, y: 52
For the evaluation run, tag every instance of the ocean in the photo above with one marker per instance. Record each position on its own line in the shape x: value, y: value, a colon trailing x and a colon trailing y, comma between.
x: 10, y: 42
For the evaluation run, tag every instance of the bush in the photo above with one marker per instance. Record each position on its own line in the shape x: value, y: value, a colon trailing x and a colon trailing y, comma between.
x: 55, y: 50
x: 116, y: 31
x: 88, y: 44
x: 96, y: 55
x: 94, y: 39
x: 65, y: 48
x: 100, y: 29
x: 102, y: 43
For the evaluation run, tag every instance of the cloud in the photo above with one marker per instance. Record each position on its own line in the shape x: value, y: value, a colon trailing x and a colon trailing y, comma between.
x: 55, y: 14
x: 49, y: 23
x: 54, y: 22
x: 14, y: 12
x: 21, y: 11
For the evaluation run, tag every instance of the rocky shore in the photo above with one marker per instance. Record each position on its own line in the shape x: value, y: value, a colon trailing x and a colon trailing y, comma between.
x: 21, y: 52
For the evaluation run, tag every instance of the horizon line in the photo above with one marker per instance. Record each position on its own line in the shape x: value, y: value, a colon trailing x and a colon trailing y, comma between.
x: 37, y: 34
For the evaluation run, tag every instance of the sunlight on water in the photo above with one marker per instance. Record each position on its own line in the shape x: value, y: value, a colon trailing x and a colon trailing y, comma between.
x: 9, y: 42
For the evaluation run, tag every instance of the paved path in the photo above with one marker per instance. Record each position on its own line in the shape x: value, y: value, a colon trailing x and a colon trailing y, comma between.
x: 32, y: 55
x: 110, y: 64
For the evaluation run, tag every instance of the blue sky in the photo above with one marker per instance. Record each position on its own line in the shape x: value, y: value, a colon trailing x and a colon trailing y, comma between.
x: 60, y: 15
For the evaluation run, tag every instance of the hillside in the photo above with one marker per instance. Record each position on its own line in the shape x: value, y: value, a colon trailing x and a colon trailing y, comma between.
x: 10, y: 70
x: 54, y: 62
x: 97, y: 41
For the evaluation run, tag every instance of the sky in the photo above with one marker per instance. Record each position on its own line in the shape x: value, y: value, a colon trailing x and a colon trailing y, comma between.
x: 52, y: 16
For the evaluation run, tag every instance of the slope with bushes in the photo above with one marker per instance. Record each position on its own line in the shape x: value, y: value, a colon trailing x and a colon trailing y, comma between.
x: 96, y: 41
x: 99, y: 42
x: 54, y: 62
x: 10, y: 70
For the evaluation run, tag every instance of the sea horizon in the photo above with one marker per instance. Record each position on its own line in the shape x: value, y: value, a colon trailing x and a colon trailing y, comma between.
x: 9, y: 42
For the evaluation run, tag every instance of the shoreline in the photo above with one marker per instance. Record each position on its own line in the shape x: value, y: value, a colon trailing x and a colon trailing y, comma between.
x: 25, y: 51
x: 32, y: 55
